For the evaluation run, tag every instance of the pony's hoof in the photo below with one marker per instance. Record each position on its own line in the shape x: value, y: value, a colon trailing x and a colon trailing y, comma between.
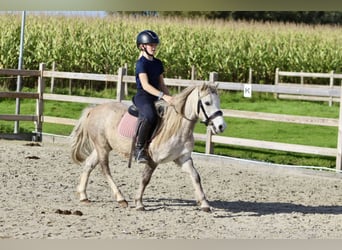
x: 123, y: 203
x: 140, y: 208
x: 85, y: 201
x: 206, y: 209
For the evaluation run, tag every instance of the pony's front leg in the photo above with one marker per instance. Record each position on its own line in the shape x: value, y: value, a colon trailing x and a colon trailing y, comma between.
x: 188, y: 167
x: 90, y: 164
x: 117, y: 193
x: 145, y: 180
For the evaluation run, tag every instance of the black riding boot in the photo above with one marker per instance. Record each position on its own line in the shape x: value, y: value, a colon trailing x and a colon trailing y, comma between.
x: 141, y: 156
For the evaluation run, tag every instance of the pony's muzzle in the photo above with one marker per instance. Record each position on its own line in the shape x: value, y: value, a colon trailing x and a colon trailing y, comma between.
x: 218, y: 125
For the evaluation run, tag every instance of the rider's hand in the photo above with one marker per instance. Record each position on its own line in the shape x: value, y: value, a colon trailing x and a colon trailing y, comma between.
x: 167, y: 98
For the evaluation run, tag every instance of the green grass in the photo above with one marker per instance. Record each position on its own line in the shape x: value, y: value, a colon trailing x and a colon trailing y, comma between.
x: 237, y: 127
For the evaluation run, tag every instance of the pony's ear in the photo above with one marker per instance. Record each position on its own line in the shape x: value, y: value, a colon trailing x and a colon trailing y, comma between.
x: 203, y: 87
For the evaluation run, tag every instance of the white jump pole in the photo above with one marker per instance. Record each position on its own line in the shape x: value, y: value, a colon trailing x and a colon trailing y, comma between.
x: 20, y: 64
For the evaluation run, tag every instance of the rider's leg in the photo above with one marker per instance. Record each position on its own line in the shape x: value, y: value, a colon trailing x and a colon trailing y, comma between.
x: 144, y: 132
x: 148, y: 119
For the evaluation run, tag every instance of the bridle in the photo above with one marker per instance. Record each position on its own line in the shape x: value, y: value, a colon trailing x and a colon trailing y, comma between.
x: 200, y: 107
x: 208, y: 119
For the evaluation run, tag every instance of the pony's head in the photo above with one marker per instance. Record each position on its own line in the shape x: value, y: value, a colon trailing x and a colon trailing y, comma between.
x: 208, y: 108
x: 193, y: 103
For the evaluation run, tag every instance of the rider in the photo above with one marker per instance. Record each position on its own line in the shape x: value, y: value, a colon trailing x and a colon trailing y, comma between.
x: 150, y: 88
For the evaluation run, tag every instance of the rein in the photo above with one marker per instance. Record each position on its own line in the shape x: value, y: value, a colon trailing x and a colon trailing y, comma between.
x: 183, y: 116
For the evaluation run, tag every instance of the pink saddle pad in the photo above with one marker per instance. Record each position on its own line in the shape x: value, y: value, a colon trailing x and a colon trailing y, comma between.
x: 127, y: 125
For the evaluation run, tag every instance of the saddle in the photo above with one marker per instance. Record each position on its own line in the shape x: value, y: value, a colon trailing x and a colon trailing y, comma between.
x: 129, y: 121
x: 161, y: 107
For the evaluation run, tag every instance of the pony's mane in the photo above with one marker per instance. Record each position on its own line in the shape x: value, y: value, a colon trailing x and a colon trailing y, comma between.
x: 172, y: 119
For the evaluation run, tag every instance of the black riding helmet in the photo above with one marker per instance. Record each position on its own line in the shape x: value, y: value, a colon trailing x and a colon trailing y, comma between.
x: 147, y: 36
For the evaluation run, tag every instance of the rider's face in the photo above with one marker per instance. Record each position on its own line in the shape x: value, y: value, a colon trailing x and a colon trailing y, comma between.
x: 151, y: 48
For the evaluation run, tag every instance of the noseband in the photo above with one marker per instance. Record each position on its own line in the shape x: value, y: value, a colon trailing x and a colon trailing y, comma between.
x: 208, y: 119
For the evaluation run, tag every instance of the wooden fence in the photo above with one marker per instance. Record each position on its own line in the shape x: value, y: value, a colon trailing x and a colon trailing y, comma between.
x: 302, y: 75
x: 36, y: 135
x: 288, y: 89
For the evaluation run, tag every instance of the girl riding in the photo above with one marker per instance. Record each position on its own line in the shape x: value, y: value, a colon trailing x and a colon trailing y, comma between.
x: 150, y: 88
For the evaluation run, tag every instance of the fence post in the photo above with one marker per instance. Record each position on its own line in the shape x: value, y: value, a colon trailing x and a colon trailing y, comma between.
x: 120, y: 85
x: 70, y: 86
x: 193, y: 72
x: 179, y: 87
x: 213, y: 77
x: 250, y: 75
x: 276, y: 81
x: 301, y: 81
x: 331, y: 83
x: 339, y: 137
x: 209, y: 146
x: 126, y: 84
x: 40, y: 105
x: 52, y: 78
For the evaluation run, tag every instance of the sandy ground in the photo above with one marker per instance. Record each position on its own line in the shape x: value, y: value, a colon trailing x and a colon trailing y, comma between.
x: 249, y: 200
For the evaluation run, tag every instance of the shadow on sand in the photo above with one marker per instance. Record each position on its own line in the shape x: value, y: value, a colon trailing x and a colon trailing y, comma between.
x: 252, y: 208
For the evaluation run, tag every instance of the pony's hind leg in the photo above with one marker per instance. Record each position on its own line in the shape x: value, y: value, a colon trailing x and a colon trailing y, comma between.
x: 188, y: 167
x: 90, y: 163
x: 145, y: 180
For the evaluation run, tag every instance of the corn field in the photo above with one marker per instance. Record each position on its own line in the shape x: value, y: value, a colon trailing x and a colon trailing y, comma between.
x: 103, y: 44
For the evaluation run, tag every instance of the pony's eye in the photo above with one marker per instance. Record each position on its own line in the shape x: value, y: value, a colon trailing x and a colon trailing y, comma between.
x: 207, y: 103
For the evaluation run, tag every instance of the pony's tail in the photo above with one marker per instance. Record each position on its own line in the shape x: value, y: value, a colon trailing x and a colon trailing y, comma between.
x: 81, y: 144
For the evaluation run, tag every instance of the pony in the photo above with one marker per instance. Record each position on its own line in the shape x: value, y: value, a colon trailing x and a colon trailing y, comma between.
x: 96, y: 134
